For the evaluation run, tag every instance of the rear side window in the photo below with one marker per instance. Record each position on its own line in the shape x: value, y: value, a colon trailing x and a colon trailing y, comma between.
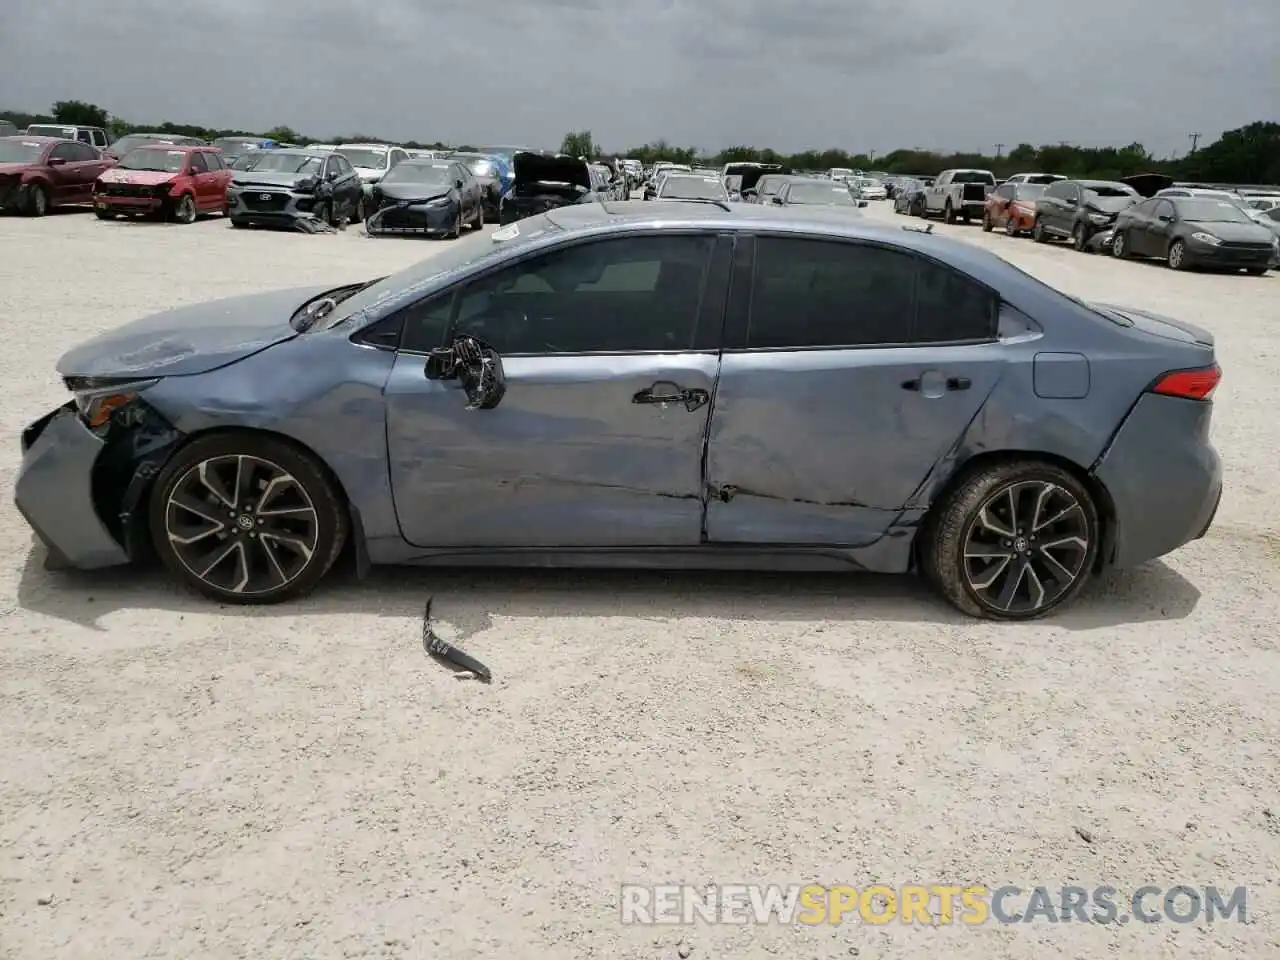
x: 819, y: 293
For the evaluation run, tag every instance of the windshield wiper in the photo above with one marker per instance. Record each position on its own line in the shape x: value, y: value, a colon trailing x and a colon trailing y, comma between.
x: 319, y: 307
x: 719, y: 203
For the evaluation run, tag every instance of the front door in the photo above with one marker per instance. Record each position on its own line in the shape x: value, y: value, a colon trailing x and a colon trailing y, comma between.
x: 859, y: 368
x: 610, y: 351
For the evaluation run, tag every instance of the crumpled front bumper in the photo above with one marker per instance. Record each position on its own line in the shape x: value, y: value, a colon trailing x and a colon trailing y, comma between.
x: 54, y: 492
x: 412, y: 219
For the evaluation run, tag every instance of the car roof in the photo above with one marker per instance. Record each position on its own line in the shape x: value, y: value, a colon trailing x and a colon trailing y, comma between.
x: 369, y: 146
x: 40, y: 139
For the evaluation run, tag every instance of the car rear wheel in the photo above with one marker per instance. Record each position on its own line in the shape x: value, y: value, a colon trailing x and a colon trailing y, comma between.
x: 1177, y: 255
x: 184, y: 210
x: 245, y: 518
x: 1013, y: 541
x: 37, y: 201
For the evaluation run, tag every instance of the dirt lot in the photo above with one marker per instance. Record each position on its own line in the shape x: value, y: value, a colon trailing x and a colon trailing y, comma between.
x: 181, y: 780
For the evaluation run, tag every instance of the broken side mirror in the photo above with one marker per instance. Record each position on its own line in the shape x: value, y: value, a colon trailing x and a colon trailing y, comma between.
x: 476, y: 366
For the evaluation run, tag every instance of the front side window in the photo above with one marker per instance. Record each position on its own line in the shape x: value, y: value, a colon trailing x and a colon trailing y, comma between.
x: 197, y: 163
x: 1005, y: 191
x: 820, y: 293
x: 625, y: 295
x: 63, y: 151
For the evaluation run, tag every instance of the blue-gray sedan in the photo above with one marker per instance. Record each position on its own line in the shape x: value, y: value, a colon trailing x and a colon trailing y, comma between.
x: 642, y: 385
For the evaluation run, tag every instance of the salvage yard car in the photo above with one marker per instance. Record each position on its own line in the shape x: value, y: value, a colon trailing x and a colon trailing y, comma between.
x: 958, y: 194
x: 1077, y: 209
x: 129, y: 141
x: 40, y: 173
x: 95, y: 137
x: 177, y: 183
x: 1188, y: 232
x: 426, y: 198
x: 1012, y: 206
x: 543, y: 183
x: 641, y: 385
x: 686, y: 186
x: 492, y: 174
x: 281, y: 187
x: 372, y: 160
x: 818, y: 193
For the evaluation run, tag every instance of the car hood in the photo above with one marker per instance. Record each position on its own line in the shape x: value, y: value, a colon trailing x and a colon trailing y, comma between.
x: 535, y: 168
x: 1233, y: 232
x: 1111, y: 204
x: 370, y: 173
x: 267, y: 178
x: 191, y: 339
x: 1157, y: 324
x: 420, y: 192
x: 148, y: 178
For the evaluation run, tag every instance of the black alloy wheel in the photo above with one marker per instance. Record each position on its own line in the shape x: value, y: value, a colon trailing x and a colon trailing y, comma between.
x: 1014, y: 542
x: 246, y: 519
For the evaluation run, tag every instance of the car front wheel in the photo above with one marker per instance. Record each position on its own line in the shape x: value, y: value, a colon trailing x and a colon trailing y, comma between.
x: 245, y: 518
x: 1013, y: 541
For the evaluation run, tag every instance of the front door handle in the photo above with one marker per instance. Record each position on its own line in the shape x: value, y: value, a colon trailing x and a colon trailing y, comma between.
x: 666, y: 392
x: 959, y: 383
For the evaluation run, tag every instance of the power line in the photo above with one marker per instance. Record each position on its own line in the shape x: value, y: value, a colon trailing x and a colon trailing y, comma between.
x: 1195, y: 138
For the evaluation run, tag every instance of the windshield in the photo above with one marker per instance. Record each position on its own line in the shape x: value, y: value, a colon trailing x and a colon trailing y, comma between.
x: 840, y: 171
x: 1109, y: 192
x: 127, y: 143
x: 452, y: 258
x: 821, y: 194
x: 410, y: 171
x: 1210, y: 211
x: 973, y: 176
x: 871, y: 184
x: 46, y: 130
x: 19, y: 151
x: 278, y: 161
x: 154, y: 158
x: 692, y: 188
x: 373, y: 159
x: 1029, y: 191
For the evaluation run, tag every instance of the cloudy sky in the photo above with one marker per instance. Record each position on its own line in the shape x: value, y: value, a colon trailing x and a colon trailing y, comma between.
x: 791, y: 74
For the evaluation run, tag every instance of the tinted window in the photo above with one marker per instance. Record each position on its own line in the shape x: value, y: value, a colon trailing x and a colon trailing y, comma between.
x: 64, y: 151
x: 815, y: 293
x: 344, y: 167
x: 1145, y: 208
x: 82, y: 152
x: 1058, y: 191
x: 624, y: 295
x: 198, y: 164
x: 1164, y: 209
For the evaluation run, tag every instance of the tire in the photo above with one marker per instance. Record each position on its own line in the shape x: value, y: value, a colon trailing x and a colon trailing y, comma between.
x: 1255, y: 271
x: 948, y: 214
x: 1120, y: 245
x: 326, y: 214
x: 359, y: 212
x: 1177, y: 256
x: 1079, y: 240
x: 960, y: 554
x: 239, y: 224
x: 311, y: 522
x: 920, y: 210
x: 478, y: 224
x: 184, y: 211
x: 456, y: 232
x: 104, y: 214
x: 37, y: 204
x: 1037, y: 232
x: 1011, y: 226
x: 987, y: 225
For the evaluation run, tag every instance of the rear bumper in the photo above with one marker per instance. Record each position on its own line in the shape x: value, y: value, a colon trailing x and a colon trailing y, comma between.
x: 1163, y: 476
x: 54, y: 492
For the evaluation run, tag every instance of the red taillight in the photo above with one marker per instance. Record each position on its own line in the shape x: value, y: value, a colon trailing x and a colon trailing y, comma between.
x: 1195, y: 384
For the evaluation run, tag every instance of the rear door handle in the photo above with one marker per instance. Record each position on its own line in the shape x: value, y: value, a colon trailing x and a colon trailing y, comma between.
x: 667, y: 392
x: 959, y: 383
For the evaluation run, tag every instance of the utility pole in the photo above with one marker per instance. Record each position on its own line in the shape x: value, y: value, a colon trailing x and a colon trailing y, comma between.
x: 1195, y: 138
x: 871, y: 156
x: 999, y: 150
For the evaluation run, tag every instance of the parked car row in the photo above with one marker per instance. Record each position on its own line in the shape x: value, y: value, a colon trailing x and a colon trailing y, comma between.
x: 1141, y: 216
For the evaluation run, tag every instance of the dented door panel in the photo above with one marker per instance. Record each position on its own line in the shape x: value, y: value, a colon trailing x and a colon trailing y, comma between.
x: 828, y: 446
x: 568, y: 459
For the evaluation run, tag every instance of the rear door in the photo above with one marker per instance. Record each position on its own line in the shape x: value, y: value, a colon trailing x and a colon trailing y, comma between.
x: 204, y: 183
x: 999, y: 203
x: 83, y: 167
x: 610, y: 351
x: 63, y: 178
x: 849, y: 371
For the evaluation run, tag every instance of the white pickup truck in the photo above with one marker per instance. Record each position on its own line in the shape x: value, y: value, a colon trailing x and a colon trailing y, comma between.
x: 958, y: 194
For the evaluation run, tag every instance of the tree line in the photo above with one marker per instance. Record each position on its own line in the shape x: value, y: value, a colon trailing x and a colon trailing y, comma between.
x: 1247, y: 155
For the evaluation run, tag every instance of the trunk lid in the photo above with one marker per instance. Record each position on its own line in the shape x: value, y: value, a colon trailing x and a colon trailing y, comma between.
x: 1156, y: 324
x: 191, y: 339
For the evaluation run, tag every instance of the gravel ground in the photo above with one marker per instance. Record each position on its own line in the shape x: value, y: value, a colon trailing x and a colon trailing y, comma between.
x: 183, y: 780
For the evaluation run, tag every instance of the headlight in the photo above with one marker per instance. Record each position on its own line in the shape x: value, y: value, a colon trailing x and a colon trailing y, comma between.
x: 1208, y: 238
x: 96, y: 404
x: 1099, y: 218
x: 439, y: 202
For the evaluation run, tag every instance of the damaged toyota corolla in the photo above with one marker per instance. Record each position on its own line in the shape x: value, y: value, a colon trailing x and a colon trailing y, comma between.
x: 642, y: 385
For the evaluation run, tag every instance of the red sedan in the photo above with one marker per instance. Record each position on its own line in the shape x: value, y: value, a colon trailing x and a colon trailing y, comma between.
x: 39, y: 173
x: 1012, y: 206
